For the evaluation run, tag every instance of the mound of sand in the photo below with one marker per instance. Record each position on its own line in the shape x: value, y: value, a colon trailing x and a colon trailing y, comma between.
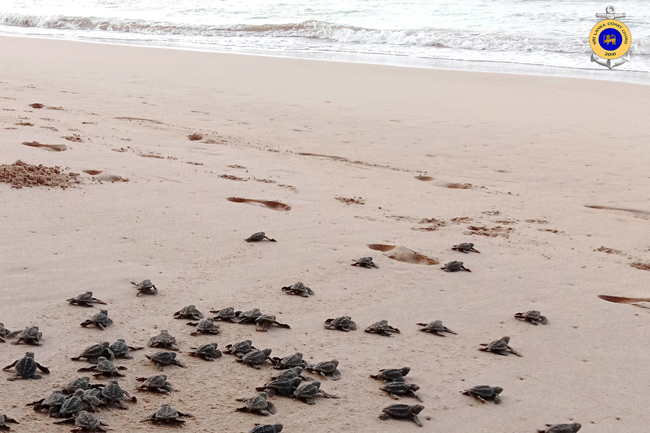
x: 20, y: 174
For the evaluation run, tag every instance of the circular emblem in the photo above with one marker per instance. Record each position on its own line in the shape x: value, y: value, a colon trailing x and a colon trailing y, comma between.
x: 610, y: 39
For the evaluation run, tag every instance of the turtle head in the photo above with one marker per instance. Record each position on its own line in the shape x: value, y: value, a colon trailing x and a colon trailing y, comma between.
x: 414, y: 387
x: 405, y: 371
x: 576, y: 426
x: 121, y: 340
x: 506, y: 339
x: 416, y: 409
x: 102, y: 359
x: 295, y: 382
x: 278, y: 428
x: 106, y: 344
x: 267, y: 352
x: 78, y: 392
x: 497, y: 390
x: 113, y: 382
x: 89, y: 293
x: 334, y: 362
x: 104, y: 312
x: 264, y: 395
x: 29, y: 354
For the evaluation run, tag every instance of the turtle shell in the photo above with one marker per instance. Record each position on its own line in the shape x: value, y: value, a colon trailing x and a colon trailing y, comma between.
x: 72, y: 404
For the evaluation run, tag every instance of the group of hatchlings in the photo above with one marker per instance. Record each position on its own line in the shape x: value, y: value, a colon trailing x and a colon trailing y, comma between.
x: 77, y: 402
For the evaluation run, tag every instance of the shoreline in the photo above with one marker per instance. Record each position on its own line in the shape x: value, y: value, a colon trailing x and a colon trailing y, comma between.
x: 496, y: 67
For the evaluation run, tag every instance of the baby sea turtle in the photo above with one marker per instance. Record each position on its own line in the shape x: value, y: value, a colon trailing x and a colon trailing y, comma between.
x: 82, y: 383
x: 465, y: 247
x: 164, y: 359
x: 561, y: 428
x: 284, y: 386
x: 71, y: 405
x: 4, y: 332
x: 395, y: 389
x: 532, y: 316
x: 454, y: 266
x: 100, y: 320
x: 258, y: 404
x: 157, y: 384
x: 392, y: 374
x: 291, y: 373
x: 365, y: 262
x: 113, y: 393
x: 327, y: 369
x: 226, y: 315
x: 209, y: 352
x: 298, y: 289
x: 30, y: 335
x: 258, y: 237
x: 145, y: 287
x: 307, y: 391
x: 403, y: 411
x: 343, y: 323
x: 267, y: 428
x: 382, y: 328
x: 436, y: 327
x: 85, y: 421
x: 249, y: 316
x: 167, y: 415
x: 483, y: 393
x: 290, y: 361
x: 500, y: 346
x: 264, y: 322
x: 93, y: 398
x: 92, y: 353
x: 51, y: 404
x: 163, y: 341
x: 241, y: 348
x: 190, y: 312
x: 206, y: 326
x: 104, y: 367
x: 121, y: 350
x: 255, y: 358
x: 85, y: 300
x: 4, y: 420
x: 26, y: 368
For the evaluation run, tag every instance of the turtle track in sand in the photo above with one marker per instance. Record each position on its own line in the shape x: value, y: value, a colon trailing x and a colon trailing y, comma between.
x: 274, y: 205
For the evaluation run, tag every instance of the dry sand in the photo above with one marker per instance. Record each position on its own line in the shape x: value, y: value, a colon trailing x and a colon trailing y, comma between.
x: 539, y: 173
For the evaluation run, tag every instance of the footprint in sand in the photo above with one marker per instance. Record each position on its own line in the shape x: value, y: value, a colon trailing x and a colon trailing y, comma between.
x: 50, y: 147
x: 275, y: 205
x: 403, y: 254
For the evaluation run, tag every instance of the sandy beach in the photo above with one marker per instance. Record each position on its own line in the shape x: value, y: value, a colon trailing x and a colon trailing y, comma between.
x: 548, y: 177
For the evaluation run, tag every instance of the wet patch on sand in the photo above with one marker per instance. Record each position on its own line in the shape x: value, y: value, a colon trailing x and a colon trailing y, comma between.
x: 403, y: 254
x: 274, y: 205
x: 50, y: 147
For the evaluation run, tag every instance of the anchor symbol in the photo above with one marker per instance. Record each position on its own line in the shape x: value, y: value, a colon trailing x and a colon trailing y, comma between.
x: 610, y: 13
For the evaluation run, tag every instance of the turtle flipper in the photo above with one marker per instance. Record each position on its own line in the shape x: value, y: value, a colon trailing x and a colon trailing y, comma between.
x: 43, y: 369
x: 11, y: 365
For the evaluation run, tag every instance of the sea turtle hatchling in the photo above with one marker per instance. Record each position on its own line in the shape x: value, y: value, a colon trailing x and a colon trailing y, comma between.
x: 26, y: 368
x: 209, y: 352
x: 85, y: 421
x: 396, y: 389
x: 4, y: 332
x: 436, y: 327
x: 85, y: 300
x: 4, y: 420
x: 465, y: 247
x: 93, y: 399
x: 365, y: 262
x: 164, y: 340
x: 71, y: 405
x: 240, y: 349
x: 122, y: 350
x: 190, y: 312
x: 226, y: 315
x: 532, y: 316
x: 100, y: 320
x: 51, y: 404
x: 114, y: 394
x: 30, y: 335
x: 483, y: 393
x: 382, y: 328
x: 284, y: 386
x: 454, y: 266
x: 165, y: 359
x: 92, y: 353
x: 258, y: 237
x: 267, y: 428
x: 290, y: 361
x: 392, y: 374
x: 307, y: 391
x: 298, y: 289
x: 264, y: 322
x: 328, y: 369
x: 249, y: 316
x: 145, y: 287
x: 206, y: 326
x: 157, y: 384
x: 561, y: 428
x: 255, y: 358
x: 403, y: 411
x: 167, y: 415
x: 500, y: 347
x: 291, y: 373
x: 258, y: 404
x: 104, y: 367
x: 82, y: 383
x: 343, y: 323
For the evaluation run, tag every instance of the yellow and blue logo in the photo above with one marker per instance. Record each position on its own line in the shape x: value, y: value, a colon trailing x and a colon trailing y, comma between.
x: 610, y: 39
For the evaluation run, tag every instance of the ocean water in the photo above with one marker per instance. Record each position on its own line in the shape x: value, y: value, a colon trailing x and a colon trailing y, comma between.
x: 548, y: 37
